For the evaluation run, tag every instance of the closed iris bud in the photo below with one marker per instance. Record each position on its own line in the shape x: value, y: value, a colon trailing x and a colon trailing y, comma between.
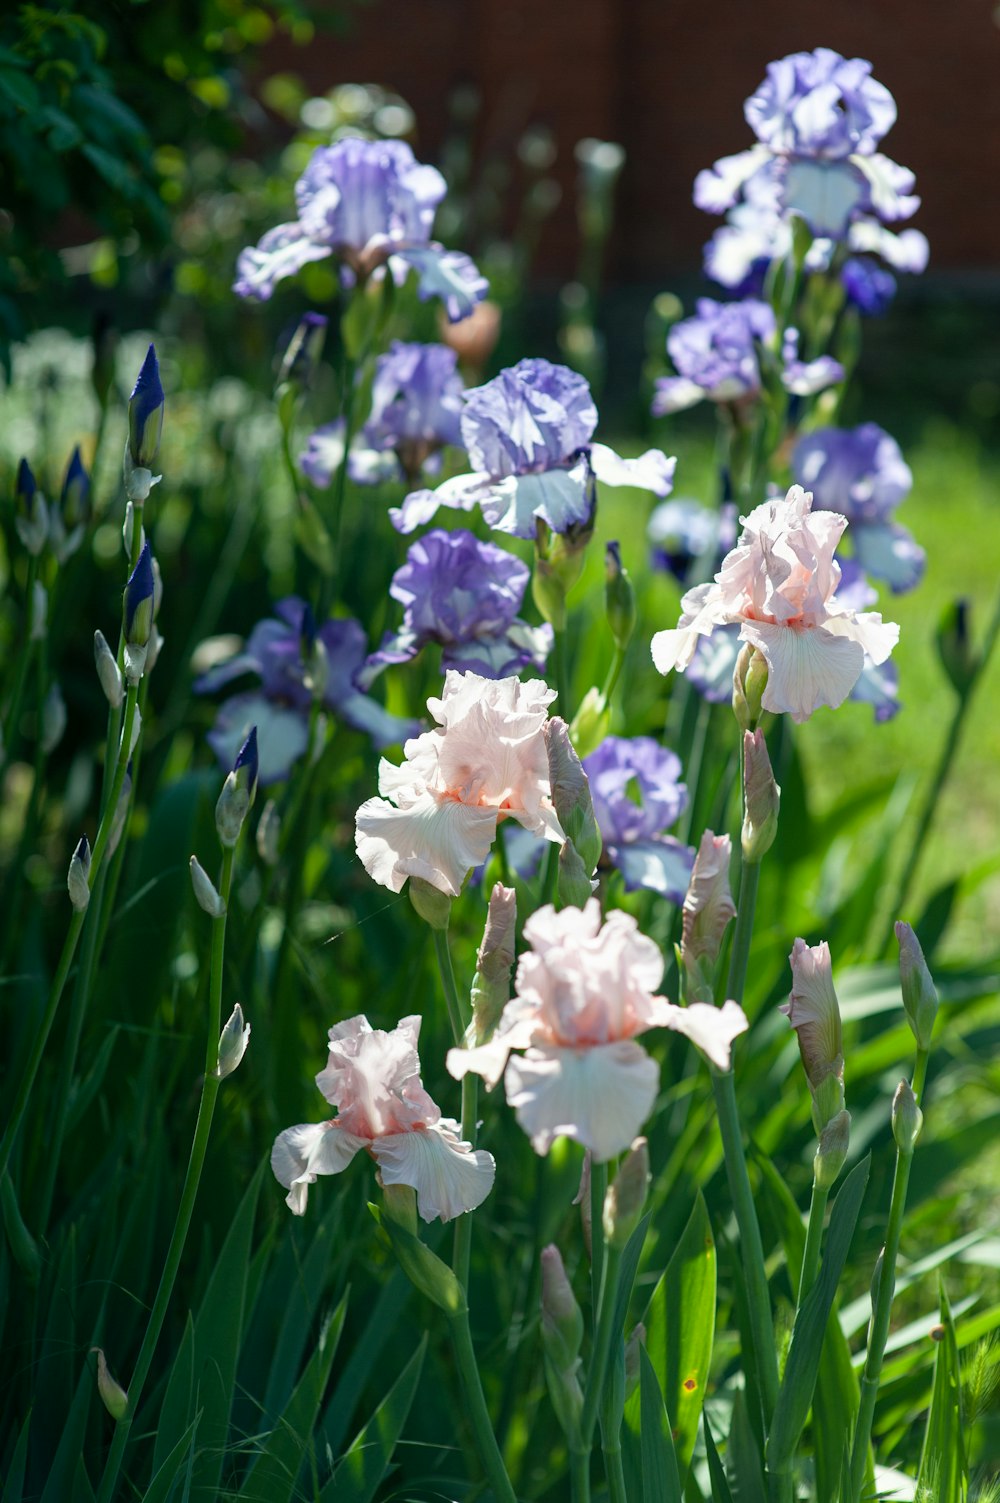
x: 907, y: 1118
x: 571, y: 795
x: 627, y: 1195
x: 562, y: 1320
x: 575, y: 887
x: 145, y: 413
x: 238, y: 792
x: 491, y: 983
x: 619, y: 597
x: 834, y: 1142
x: 591, y: 723
x: 138, y: 615
x: 920, y: 998
x: 960, y: 660
x: 31, y: 516
x: 749, y: 683
x: 107, y: 670
x: 762, y: 798
x: 233, y: 1042
x: 205, y: 890
x: 707, y: 911
x: 113, y: 1396
x: 433, y: 905
x: 78, y: 876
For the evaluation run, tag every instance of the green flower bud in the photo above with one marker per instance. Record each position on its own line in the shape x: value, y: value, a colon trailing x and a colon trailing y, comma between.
x: 907, y: 1118
x: 749, y: 683
x: 571, y: 795
x: 834, y: 1142
x: 205, y: 890
x: 960, y: 660
x: 591, y: 723
x: 433, y: 905
x: 627, y: 1195
x: 233, y: 1042
x: 78, y: 876
x: 113, y: 1396
x: 573, y: 884
x: 619, y: 597
x: 920, y: 998
x: 423, y: 1268
x: 238, y: 792
x: 562, y: 1320
x: 761, y: 798
x: 108, y: 671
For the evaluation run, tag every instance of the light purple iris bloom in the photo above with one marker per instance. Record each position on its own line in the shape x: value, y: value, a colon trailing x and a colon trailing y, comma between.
x: 416, y: 407
x: 636, y: 793
x: 818, y: 118
x: 861, y: 473
x: 717, y: 357
x: 528, y: 435
x: 465, y: 595
x: 714, y: 662
x: 368, y: 203
x: 280, y: 707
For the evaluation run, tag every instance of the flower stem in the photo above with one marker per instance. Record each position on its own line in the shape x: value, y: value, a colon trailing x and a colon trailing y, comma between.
x: 580, y: 1476
x: 814, y: 1240
x: 598, y: 1191
x: 476, y: 1411
x: 561, y: 657
x: 878, y: 1330
x: 602, y: 1345
x: 448, y: 986
x: 463, y: 1224
x: 616, y: 1475
x: 192, y: 1179
x: 8, y: 739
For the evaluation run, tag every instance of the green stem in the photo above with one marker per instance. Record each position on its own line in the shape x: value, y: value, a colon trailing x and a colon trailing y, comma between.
x: 70, y: 943
x: 602, y: 1346
x: 614, y: 673
x: 448, y: 986
x: 755, y: 1276
x: 598, y: 1192
x: 10, y: 729
x: 348, y: 403
x: 814, y: 1240
x: 561, y: 658
x: 476, y: 1411
x: 878, y: 1330
x: 579, y: 1462
x: 463, y: 1224
x: 616, y: 1476
x: 192, y: 1179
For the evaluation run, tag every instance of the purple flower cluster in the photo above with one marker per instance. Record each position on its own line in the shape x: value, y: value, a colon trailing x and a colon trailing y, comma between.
x: 636, y: 793
x: 368, y: 203
x: 464, y: 595
x: 717, y: 356
x: 861, y: 473
x: 818, y: 118
x: 416, y: 409
x: 528, y: 435
x: 295, y: 664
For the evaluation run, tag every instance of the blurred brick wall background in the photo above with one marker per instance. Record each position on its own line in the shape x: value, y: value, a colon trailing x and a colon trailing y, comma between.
x: 667, y: 79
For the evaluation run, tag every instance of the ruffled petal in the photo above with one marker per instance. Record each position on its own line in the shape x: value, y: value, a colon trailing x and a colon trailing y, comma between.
x: 675, y: 394
x: 652, y: 471
x: 559, y: 497
x: 449, y: 1176
x: 807, y: 667
x: 300, y: 1154
x: 710, y: 1029
x: 438, y: 840
x: 462, y: 491
x: 449, y: 275
x: 806, y: 378
x: 674, y: 648
x: 876, y: 637
x: 718, y: 187
x: 599, y: 1096
x: 281, y: 253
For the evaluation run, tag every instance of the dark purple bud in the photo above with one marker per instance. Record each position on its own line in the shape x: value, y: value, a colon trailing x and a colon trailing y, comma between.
x: 75, y: 499
x: 139, y: 600
x: 145, y: 412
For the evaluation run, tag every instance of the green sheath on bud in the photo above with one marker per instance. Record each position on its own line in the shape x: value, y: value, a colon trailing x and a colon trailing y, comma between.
x: 627, y: 1195
x: 920, y: 998
x: 113, y: 1396
x: 761, y: 798
x: 433, y: 905
x: 78, y: 876
x: 907, y: 1118
x: 591, y: 723
x: 233, y: 1042
x: 749, y: 683
x: 424, y: 1269
x: 834, y: 1142
x: 205, y: 890
x: 574, y: 886
x: 619, y: 597
x: 960, y: 660
x: 571, y: 798
x: 108, y: 671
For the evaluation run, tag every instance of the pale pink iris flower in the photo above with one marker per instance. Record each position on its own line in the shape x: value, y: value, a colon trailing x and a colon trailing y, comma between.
x: 373, y: 1079
x: 583, y: 993
x: 485, y: 761
x: 779, y: 584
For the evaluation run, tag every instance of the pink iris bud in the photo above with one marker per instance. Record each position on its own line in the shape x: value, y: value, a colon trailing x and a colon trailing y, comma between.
x: 491, y: 983
x: 761, y: 797
x: 814, y: 1013
x: 627, y: 1195
x: 708, y: 908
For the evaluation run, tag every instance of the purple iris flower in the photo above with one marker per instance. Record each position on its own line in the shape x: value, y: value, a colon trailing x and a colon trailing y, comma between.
x: 528, y: 435
x: 818, y: 118
x: 282, y: 652
x: 368, y: 203
x: 868, y: 286
x: 861, y: 473
x: 465, y: 595
x: 416, y: 409
x: 636, y: 793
